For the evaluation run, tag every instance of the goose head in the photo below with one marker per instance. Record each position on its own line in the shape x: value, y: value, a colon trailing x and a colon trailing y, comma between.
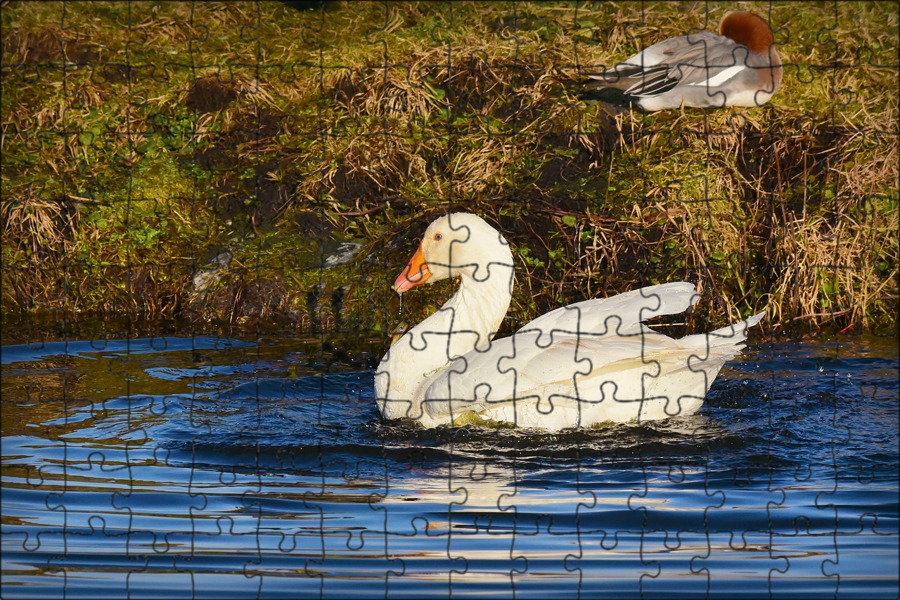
x: 457, y: 245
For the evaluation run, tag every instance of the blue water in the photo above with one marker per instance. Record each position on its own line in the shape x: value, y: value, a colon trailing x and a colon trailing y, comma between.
x: 214, y: 467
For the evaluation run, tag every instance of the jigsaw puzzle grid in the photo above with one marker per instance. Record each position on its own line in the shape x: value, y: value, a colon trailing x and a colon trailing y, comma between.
x: 236, y: 467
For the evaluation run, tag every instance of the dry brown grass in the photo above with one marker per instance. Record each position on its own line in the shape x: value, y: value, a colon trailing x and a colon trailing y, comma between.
x: 283, y: 130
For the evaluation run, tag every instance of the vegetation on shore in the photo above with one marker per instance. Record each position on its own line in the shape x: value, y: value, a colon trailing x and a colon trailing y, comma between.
x: 277, y: 163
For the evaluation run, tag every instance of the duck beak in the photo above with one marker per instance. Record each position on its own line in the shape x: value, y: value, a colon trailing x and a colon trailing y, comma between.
x: 416, y: 272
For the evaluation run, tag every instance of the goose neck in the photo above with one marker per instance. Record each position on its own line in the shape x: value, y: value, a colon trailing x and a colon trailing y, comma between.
x: 481, y: 305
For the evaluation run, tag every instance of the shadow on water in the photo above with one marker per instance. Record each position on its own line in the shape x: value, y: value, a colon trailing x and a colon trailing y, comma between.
x: 268, y: 457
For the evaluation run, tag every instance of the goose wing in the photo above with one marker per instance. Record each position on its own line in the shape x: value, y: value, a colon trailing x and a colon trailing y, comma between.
x: 551, y: 354
x: 624, y: 312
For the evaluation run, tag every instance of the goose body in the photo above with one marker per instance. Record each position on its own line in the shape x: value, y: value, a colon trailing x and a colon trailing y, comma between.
x: 739, y: 66
x: 577, y: 366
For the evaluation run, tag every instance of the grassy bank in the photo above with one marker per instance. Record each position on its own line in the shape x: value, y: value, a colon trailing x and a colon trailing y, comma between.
x: 271, y: 163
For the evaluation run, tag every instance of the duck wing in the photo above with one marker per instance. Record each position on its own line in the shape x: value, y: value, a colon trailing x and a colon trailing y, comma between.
x: 702, y: 58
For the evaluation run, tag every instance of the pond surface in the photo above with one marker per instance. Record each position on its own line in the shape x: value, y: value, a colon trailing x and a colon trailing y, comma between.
x: 214, y: 467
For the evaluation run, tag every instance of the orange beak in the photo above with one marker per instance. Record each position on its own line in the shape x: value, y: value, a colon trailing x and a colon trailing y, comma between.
x: 415, y: 273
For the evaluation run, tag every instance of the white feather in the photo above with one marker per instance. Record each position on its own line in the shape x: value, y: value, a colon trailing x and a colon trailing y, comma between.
x: 577, y: 366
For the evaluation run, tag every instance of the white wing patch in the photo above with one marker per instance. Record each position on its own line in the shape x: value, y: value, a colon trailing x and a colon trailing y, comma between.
x: 721, y: 77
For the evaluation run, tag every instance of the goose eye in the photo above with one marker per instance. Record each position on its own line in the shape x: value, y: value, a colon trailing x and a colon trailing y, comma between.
x: 438, y: 237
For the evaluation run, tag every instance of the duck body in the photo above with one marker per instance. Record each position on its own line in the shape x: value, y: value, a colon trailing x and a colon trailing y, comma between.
x: 739, y: 66
x: 577, y: 366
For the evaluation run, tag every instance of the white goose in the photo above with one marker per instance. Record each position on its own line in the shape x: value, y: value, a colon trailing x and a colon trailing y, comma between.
x: 577, y: 366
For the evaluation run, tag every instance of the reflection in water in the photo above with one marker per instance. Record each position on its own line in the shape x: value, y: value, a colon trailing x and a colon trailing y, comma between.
x: 226, y: 468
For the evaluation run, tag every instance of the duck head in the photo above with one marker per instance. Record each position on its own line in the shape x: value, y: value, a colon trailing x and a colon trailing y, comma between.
x: 753, y: 32
x: 748, y: 29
